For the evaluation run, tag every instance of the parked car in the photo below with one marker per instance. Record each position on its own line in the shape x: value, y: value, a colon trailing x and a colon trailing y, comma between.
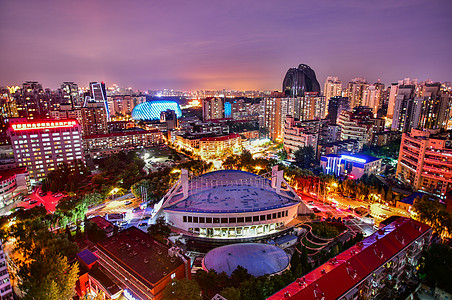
x: 27, y: 199
x: 142, y: 225
x: 128, y: 202
x: 33, y: 202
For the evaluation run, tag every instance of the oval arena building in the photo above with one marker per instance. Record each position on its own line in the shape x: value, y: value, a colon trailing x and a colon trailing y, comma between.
x: 230, y: 204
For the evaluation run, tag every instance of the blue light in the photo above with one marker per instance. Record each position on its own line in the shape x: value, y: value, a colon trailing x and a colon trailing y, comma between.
x: 151, y: 110
x: 227, y: 109
x: 351, y: 158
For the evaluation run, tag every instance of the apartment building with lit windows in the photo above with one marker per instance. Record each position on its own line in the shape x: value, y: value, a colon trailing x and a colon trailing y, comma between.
x: 41, y: 146
x: 425, y: 161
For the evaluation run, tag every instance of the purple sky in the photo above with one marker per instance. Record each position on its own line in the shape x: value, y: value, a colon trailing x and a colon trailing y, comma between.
x: 234, y: 44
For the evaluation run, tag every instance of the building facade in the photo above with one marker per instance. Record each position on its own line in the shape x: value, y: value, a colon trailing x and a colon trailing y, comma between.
x: 352, y: 166
x: 6, y: 291
x: 12, y: 183
x: 425, y: 162
x: 297, y: 136
x: 106, y: 144
x: 41, y: 146
x: 213, y: 108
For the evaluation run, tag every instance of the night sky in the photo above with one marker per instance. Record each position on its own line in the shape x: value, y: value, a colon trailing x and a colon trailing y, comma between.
x: 238, y: 44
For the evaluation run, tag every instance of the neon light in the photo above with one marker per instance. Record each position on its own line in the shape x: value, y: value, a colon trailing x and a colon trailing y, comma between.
x: 347, y: 157
x: 43, y: 125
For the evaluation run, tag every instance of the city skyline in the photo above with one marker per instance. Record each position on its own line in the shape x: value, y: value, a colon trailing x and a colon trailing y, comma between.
x: 213, y: 46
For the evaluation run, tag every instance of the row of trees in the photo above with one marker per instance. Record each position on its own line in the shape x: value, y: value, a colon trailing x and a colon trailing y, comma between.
x: 433, y: 213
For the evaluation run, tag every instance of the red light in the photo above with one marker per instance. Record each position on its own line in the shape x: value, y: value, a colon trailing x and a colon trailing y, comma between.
x: 43, y: 125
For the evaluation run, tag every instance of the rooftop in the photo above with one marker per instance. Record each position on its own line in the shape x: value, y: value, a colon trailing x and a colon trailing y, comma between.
x: 140, y: 254
x: 353, y: 265
x: 7, y: 174
x: 87, y: 257
x: 258, y: 259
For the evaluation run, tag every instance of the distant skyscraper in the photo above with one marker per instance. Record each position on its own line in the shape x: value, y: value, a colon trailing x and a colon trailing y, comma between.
x: 332, y: 88
x: 32, y: 101
x: 372, y: 96
x: 300, y: 80
x: 392, y: 97
x: 355, y: 90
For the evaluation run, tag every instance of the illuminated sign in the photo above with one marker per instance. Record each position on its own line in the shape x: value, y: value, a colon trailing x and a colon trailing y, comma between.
x: 351, y: 158
x: 43, y: 125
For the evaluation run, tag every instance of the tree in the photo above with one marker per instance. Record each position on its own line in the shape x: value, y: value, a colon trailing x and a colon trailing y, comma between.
x: 434, y: 214
x: 160, y: 229
x: 182, y: 290
x: 142, y: 188
x: 437, y: 266
x: 305, y: 158
x: 231, y: 293
x: 389, y: 195
x: 48, y: 277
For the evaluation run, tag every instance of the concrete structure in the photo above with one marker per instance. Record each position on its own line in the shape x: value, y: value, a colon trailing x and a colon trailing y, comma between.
x: 339, y: 147
x: 425, y: 162
x: 41, y: 146
x: 142, y: 265
x: 375, y: 266
x: 383, y: 138
x: 105, y: 144
x: 94, y: 119
x: 13, y: 182
x: 230, y: 204
x: 353, y: 166
x: 259, y: 259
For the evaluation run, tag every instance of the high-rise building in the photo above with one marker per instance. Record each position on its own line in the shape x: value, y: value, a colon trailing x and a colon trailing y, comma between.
x: 407, y: 109
x: 170, y: 118
x: 300, y: 80
x: 6, y: 291
x: 70, y: 93
x: 435, y: 107
x: 98, y: 94
x: 371, y: 98
x: 213, y: 108
x: 32, y: 101
x: 425, y: 161
x: 336, y: 105
x: 94, y: 119
x: 332, y: 88
x: 392, y: 98
x: 311, y: 107
x: 355, y: 90
x: 41, y: 146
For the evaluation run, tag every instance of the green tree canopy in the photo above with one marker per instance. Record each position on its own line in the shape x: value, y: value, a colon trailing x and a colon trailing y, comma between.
x: 305, y: 158
x: 182, y: 290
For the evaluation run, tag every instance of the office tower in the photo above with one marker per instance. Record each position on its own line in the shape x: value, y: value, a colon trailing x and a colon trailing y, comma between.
x: 355, y: 90
x: 42, y: 145
x: 300, y: 80
x: 94, y: 119
x: 32, y: 101
x: 98, y: 94
x: 213, y: 108
x: 70, y: 93
x: 335, y: 106
x: 425, y: 161
x: 332, y: 88
x: 407, y: 109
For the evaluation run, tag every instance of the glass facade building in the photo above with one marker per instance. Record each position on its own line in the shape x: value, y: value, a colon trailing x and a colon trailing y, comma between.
x: 300, y: 80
